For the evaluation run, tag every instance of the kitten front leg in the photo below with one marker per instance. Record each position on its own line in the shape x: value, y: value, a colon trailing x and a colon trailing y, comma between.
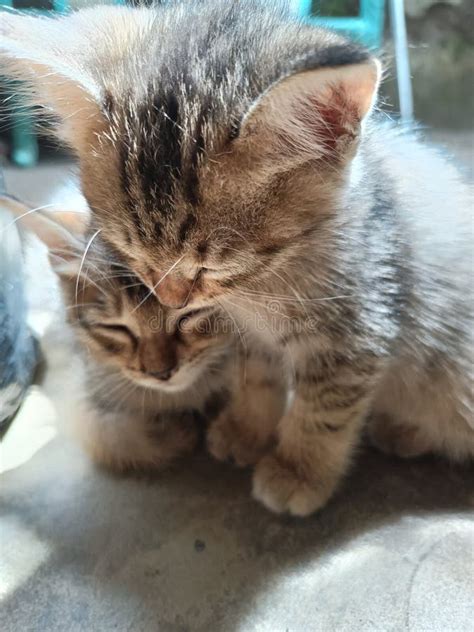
x: 316, y: 437
x: 245, y: 429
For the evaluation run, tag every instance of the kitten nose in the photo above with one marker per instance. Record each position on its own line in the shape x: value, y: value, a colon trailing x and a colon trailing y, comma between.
x: 171, y: 290
x: 163, y: 375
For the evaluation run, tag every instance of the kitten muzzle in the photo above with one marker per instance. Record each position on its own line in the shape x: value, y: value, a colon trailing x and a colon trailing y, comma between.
x: 162, y: 376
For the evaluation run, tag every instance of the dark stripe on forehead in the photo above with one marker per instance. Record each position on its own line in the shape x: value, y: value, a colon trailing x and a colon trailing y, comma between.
x: 162, y: 150
x: 170, y: 135
x: 128, y: 170
x: 125, y: 178
x: 158, y: 159
x: 191, y: 182
x: 188, y: 224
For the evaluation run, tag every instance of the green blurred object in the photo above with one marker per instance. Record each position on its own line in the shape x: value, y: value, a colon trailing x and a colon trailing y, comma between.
x: 336, y: 8
x: 366, y: 25
x: 25, y: 150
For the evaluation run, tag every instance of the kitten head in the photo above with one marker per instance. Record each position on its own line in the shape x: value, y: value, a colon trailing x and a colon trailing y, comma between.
x: 213, y: 139
x: 116, y: 318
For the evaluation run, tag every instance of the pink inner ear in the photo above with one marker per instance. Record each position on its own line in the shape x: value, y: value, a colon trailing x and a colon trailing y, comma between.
x: 327, y: 118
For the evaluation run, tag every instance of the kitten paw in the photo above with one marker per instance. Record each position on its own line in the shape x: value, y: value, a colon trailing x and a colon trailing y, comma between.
x: 227, y: 440
x: 278, y: 487
x: 399, y: 439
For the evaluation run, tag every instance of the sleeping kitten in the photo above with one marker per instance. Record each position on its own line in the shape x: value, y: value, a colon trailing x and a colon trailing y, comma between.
x: 228, y: 153
x: 145, y: 379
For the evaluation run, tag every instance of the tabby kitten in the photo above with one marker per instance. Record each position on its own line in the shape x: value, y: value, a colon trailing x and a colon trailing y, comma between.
x: 229, y: 154
x: 145, y: 380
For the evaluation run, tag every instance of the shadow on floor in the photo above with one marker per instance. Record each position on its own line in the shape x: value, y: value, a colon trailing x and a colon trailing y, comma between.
x: 190, y: 550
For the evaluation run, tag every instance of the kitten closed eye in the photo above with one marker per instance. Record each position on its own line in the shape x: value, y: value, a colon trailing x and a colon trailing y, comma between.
x: 118, y: 329
x: 113, y: 337
x: 189, y: 321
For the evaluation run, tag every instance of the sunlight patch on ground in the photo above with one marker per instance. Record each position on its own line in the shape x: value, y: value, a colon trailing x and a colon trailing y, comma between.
x: 20, y: 560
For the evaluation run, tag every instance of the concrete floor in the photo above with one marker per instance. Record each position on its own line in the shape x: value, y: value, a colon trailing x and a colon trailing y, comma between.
x: 189, y: 550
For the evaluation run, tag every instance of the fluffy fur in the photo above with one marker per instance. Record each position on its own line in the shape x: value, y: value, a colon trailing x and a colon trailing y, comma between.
x: 229, y: 154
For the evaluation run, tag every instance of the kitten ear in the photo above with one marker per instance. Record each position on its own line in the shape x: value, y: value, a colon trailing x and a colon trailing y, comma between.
x: 61, y: 231
x: 314, y: 113
x: 49, y: 60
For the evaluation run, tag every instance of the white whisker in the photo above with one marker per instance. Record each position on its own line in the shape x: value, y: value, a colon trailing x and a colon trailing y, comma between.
x: 83, y: 259
x: 33, y: 210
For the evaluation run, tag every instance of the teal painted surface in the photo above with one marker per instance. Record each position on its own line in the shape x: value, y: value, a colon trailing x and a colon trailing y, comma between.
x: 367, y: 27
x: 304, y: 8
x: 61, y: 6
